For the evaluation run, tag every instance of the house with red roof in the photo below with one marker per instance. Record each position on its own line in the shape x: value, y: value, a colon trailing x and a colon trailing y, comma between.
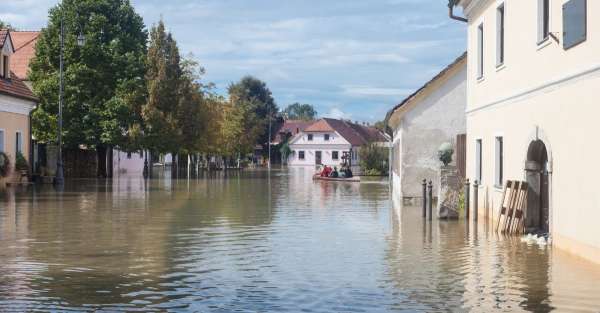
x: 332, y: 142
x: 16, y: 103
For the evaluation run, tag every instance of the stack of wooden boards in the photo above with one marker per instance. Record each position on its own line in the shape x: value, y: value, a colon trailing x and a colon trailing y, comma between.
x: 511, y: 216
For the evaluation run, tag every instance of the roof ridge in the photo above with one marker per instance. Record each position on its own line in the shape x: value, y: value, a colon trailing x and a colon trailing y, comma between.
x: 27, y: 43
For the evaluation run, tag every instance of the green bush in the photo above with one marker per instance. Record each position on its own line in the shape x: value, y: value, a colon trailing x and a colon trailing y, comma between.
x: 445, y: 153
x: 4, y: 164
x: 21, y: 163
x: 374, y: 160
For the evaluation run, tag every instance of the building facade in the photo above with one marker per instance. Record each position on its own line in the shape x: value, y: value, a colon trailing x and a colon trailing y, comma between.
x: 433, y: 115
x: 330, y: 141
x: 532, y: 112
x: 16, y: 103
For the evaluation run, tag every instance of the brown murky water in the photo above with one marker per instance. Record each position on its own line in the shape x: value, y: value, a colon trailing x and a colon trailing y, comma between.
x: 257, y: 243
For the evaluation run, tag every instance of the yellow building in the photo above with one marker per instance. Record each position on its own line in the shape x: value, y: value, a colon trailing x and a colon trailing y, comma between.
x: 532, y: 112
x: 16, y: 103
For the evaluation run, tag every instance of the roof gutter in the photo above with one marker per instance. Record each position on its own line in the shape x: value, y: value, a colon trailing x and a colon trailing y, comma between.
x: 455, y: 17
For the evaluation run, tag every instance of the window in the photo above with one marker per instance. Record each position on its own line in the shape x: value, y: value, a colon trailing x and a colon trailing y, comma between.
x: 543, y: 20
x: 326, y: 137
x: 301, y: 155
x: 310, y: 137
x: 480, y: 51
x: 335, y: 155
x: 129, y: 155
x: 19, y: 143
x: 1, y: 141
x: 574, y: 23
x: 499, y: 162
x: 478, y: 160
x: 5, y: 66
x: 500, y: 35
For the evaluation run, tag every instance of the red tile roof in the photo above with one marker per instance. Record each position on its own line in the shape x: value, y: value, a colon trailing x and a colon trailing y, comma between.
x: 291, y: 127
x: 16, y: 88
x: 355, y: 134
x: 24, y: 43
x: 3, y: 36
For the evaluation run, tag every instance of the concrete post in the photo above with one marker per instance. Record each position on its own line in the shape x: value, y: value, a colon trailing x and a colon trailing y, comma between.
x: 430, y: 200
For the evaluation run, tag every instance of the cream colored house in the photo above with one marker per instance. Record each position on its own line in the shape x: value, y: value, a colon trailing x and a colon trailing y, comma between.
x: 431, y: 116
x: 532, y: 112
x: 16, y: 103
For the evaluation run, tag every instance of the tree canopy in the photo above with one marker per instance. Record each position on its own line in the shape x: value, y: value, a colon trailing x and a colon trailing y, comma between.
x: 297, y: 111
x: 103, y: 78
x: 5, y: 25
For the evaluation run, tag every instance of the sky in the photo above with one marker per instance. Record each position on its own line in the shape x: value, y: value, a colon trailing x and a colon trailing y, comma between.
x: 351, y: 59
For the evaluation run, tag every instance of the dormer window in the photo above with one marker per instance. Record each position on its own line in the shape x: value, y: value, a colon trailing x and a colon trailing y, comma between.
x: 5, y: 66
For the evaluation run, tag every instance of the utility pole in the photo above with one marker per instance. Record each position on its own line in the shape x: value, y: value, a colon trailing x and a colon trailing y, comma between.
x: 270, y: 113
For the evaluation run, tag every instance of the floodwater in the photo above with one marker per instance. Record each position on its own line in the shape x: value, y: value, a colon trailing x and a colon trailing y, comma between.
x: 254, y: 242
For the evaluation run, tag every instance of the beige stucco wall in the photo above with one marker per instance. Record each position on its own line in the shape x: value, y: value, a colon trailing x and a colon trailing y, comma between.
x: 546, y: 88
x: 10, y: 123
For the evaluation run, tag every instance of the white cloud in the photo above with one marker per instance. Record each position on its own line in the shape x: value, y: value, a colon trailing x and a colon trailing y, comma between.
x: 366, y: 91
x: 337, y: 114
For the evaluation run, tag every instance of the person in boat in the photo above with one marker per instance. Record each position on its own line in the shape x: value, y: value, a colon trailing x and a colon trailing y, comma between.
x: 334, y: 173
x: 326, y: 171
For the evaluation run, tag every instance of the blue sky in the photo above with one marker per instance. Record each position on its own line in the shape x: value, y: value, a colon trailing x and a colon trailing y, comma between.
x: 351, y: 59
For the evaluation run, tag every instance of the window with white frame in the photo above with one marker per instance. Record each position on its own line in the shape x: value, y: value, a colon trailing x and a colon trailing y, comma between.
x: 301, y: 155
x: 335, y: 155
x: 326, y: 137
x: 500, y: 20
x: 310, y: 137
x: 543, y: 20
x: 499, y: 162
x: 480, y: 51
x: 478, y: 160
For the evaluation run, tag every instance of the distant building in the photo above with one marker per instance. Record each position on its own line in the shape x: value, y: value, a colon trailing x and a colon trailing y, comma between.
x: 16, y: 103
x: 532, y: 113
x: 431, y: 116
x: 327, y: 141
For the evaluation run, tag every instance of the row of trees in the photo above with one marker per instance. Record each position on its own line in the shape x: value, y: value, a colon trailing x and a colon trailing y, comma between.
x: 132, y: 89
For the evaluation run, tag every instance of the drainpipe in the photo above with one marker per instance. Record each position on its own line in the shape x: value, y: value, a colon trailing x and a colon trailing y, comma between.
x: 455, y: 17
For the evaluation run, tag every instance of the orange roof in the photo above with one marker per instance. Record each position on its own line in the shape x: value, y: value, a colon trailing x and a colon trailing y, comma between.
x: 24, y: 44
x: 319, y: 126
x: 16, y: 88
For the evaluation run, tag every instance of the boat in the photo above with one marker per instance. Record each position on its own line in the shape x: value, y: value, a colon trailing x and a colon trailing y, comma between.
x: 354, y: 179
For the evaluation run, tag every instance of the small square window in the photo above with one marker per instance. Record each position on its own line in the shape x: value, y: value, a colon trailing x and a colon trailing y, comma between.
x: 310, y: 137
x: 326, y: 137
x: 301, y: 155
x: 335, y: 155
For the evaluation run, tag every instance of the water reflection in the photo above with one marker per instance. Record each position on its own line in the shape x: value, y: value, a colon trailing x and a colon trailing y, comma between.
x: 263, y: 242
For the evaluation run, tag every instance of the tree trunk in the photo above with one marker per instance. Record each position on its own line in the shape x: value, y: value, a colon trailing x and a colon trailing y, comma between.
x: 101, y: 153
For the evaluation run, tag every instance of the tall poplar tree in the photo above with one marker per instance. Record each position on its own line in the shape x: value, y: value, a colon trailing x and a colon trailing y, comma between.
x: 163, y: 79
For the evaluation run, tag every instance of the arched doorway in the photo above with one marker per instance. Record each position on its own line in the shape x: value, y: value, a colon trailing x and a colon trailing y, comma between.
x: 537, y: 216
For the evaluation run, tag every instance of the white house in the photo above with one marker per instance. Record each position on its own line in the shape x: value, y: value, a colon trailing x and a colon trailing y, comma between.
x: 532, y: 112
x: 431, y: 116
x: 328, y: 141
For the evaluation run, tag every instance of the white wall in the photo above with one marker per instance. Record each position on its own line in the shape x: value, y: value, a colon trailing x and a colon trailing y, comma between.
x: 433, y: 120
x: 545, y: 92
x: 301, y: 143
x: 127, y: 164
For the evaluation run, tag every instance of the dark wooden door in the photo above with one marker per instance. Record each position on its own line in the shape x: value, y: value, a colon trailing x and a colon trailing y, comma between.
x: 318, y: 157
x: 461, y: 155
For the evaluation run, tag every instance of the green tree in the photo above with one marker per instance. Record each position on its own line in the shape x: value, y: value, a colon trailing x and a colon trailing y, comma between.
x: 5, y: 25
x: 297, y: 111
x: 255, y: 94
x: 374, y: 159
x: 103, y: 78
x: 163, y: 78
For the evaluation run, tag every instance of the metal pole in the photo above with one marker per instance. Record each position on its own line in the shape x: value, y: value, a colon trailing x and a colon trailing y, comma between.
x: 269, y: 165
x: 475, y: 200
x: 430, y: 200
x: 467, y: 198
x: 424, y: 198
x: 60, y: 178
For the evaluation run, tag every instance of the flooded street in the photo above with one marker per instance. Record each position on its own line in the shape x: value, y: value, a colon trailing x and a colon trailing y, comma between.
x: 254, y: 242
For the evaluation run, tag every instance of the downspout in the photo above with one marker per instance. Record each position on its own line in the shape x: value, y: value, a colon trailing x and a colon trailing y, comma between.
x: 455, y: 17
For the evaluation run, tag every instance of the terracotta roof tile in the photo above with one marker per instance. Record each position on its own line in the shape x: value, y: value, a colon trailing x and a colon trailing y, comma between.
x: 16, y: 88
x: 292, y: 127
x: 355, y: 134
x: 3, y: 35
x: 24, y: 42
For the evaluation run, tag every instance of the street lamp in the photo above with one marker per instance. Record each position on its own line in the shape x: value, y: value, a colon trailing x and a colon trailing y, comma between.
x: 60, y: 176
